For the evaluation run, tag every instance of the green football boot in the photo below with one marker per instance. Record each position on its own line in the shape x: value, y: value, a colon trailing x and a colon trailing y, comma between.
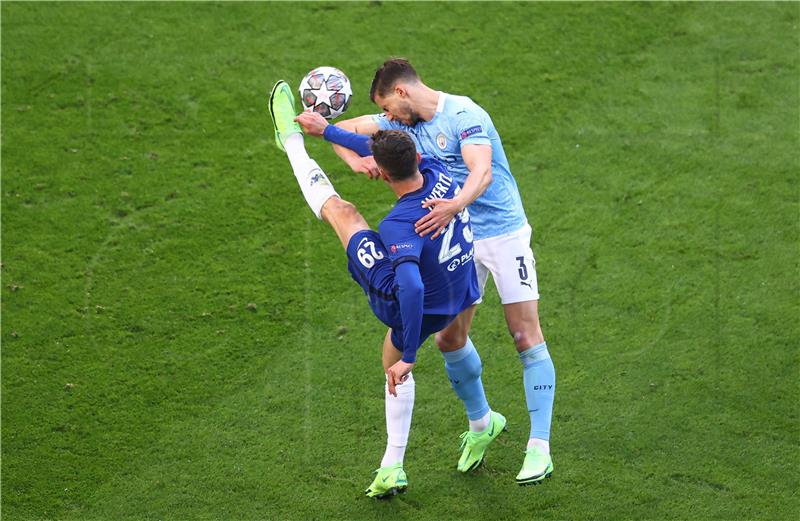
x: 389, y: 481
x: 474, y: 444
x: 537, y: 467
x: 281, y: 108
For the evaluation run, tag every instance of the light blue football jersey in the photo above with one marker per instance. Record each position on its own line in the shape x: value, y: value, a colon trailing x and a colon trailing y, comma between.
x: 460, y: 121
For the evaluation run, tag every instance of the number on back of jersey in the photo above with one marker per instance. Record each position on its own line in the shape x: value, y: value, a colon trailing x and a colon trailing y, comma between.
x: 448, y: 251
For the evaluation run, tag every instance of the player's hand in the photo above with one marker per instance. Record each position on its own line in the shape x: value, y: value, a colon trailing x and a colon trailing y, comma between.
x: 397, y: 374
x: 367, y: 166
x: 313, y: 124
x: 437, y: 220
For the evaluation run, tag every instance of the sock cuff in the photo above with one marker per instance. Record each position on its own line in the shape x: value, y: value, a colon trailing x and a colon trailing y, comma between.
x: 404, y: 388
x: 534, y: 354
x: 452, y: 357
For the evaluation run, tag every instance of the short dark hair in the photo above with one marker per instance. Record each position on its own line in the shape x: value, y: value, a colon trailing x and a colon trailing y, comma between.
x: 387, y: 76
x: 395, y: 152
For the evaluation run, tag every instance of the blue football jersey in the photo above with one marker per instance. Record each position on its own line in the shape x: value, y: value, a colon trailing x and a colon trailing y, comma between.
x: 445, y: 263
x: 460, y: 121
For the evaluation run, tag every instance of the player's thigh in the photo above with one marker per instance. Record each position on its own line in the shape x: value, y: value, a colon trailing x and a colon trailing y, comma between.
x: 344, y: 218
x: 369, y: 266
x: 391, y: 354
x: 454, y: 336
x: 510, y: 260
x: 523, y: 323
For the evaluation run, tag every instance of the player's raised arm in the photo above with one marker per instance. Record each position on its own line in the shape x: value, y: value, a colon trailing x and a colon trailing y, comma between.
x: 364, y: 125
x: 478, y: 159
x: 350, y: 146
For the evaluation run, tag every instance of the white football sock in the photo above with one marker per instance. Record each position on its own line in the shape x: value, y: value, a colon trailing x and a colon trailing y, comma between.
x: 314, y: 184
x: 295, y: 147
x: 481, y: 424
x: 542, y: 444
x: 398, y: 421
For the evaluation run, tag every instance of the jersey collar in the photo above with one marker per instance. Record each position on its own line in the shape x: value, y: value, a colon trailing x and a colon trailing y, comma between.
x: 426, y: 184
x: 440, y: 103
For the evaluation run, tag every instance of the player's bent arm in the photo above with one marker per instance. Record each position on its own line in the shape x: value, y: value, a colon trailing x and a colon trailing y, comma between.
x: 360, y: 125
x: 478, y: 159
x: 411, y: 296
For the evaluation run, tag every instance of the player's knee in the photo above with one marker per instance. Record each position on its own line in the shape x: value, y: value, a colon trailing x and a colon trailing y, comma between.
x: 450, y: 340
x: 525, y: 338
x: 340, y: 207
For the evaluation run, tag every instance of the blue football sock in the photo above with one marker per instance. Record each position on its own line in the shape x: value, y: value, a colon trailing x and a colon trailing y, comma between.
x: 464, y: 371
x: 539, y: 377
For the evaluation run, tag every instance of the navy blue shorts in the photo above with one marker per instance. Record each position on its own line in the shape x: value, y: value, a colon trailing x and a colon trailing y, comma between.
x: 369, y: 265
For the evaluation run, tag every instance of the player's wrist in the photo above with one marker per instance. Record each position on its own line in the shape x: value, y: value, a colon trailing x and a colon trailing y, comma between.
x: 460, y: 203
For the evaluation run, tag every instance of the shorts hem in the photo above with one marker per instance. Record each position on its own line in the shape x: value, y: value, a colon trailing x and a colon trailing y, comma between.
x: 518, y: 300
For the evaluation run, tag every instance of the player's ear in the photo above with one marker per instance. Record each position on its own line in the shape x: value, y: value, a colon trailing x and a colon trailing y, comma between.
x: 401, y: 90
x: 419, y: 158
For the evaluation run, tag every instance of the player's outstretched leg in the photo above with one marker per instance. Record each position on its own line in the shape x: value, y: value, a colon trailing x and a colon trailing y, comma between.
x: 282, y: 111
x: 314, y: 184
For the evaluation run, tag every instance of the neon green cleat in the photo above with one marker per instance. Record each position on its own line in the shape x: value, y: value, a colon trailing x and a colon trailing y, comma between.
x: 281, y: 108
x: 389, y: 481
x: 536, y: 468
x: 474, y: 444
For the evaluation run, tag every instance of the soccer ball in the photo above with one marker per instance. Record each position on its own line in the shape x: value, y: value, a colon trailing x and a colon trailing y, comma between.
x: 326, y: 91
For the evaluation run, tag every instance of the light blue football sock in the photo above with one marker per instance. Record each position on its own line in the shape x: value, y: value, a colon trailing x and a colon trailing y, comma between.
x: 464, y: 371
x: 539, y: 377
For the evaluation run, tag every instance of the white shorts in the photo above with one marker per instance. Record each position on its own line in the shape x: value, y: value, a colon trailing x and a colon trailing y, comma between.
x: 510, y: 260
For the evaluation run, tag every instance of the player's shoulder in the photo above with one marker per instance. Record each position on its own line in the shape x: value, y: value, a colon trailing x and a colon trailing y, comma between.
x: 429, y: 163
x: 456, y: 105
x: 398, y: 218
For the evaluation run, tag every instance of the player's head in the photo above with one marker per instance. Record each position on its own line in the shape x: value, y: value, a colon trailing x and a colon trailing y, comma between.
x: 390, y: 90
x: 395, y: 154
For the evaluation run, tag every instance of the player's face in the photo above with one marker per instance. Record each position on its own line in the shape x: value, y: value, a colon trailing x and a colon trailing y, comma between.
x: 398, y: 108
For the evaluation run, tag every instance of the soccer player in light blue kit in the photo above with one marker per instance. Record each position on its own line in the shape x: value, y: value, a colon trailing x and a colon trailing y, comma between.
x: 461, y: 134
x: 415, y: 286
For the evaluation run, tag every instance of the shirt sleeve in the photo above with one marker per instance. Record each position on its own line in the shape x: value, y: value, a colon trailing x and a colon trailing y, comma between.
x: 385, y: 124
x: 411, y: 296
x: 472, y: 127
x: 358, y: 143
x: 401, y: 241
x: 405, y: 247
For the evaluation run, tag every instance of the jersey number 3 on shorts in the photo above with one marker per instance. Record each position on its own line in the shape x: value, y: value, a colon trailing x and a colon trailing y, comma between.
x: 523, y: 272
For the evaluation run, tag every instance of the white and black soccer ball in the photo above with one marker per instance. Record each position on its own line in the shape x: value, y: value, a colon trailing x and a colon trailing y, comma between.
x: 326, y: 91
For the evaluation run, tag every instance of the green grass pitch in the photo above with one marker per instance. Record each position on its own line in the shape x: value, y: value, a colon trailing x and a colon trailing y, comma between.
x: 180, y: 337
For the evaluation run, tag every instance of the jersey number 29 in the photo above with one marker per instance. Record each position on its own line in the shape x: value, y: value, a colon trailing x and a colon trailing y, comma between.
x: 368, y: 258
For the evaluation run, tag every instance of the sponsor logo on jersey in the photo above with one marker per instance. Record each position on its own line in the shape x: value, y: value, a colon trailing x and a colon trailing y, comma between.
x: 458, y: 261
x: 441, y: 141
x: 471, y: 130
x: 402, y: 246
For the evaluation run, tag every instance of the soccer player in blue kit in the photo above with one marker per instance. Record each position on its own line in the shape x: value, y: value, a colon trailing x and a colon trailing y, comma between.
x: 415, y: 286
x: 457, y: 131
